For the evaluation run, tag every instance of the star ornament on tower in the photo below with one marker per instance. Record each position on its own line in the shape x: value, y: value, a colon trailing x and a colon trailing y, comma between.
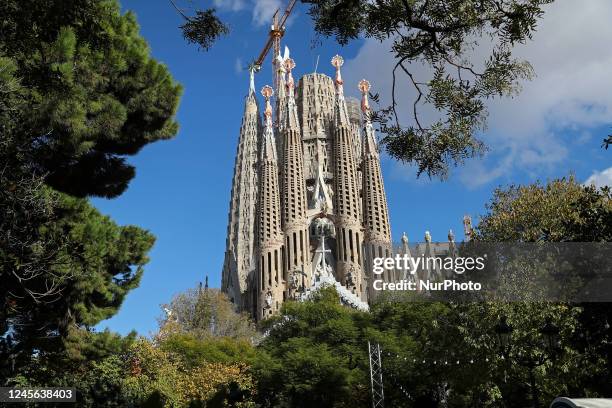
x: 337, y: 61
x: 267, y: 93
x: 364, y: 88
x: 289, y: 65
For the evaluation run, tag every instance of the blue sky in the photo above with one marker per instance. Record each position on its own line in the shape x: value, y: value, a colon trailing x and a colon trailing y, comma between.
x: 181, y: 190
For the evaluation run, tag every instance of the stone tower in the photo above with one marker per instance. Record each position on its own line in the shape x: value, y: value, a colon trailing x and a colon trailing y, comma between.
x: 347, y: 206
x: 295, y: 220
x: 375, y: 210
x: 270, y: 279
x: 308, y: 204
x: 239, y: 264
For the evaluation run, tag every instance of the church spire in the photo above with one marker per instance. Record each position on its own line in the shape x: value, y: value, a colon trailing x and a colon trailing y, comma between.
x: 281, y: 91
x: 292, y: 120
x: 337, y: 61
x: 369, y: 144
x: 270, y: 284
x: 305, y: 161
x: 293, y: 198
x: 251, y: 81
x: 467, y: 227
x: 346, y: 197
x: 269, y: 143
x: 375, y: 211
x: 240, y: 245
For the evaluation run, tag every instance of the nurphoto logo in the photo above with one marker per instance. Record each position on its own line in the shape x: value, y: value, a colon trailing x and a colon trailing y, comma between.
x: 411, y: 269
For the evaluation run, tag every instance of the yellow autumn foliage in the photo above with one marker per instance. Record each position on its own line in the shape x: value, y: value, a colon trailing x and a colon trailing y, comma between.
x: 152, y: 370
x: 203, y: 382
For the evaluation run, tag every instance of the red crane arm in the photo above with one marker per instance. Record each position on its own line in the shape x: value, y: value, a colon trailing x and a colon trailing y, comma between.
x: 277, y: 31
x: 264, y: 52
x: 287, y: 12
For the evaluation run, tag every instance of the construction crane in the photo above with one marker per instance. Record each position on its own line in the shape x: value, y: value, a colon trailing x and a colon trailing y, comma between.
x: 277, y: 30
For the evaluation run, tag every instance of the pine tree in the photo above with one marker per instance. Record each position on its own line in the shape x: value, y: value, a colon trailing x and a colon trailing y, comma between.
x: 78, y: 92
x: 91, y: 92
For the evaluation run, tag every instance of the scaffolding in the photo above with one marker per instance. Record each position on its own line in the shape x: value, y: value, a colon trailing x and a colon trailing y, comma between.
x: 376, y: 376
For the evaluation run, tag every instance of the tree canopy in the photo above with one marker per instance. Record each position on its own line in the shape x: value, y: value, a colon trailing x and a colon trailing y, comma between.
x: 78, y: 93
x: 90, y: 92
x: 559, y: 211
x: 206, y: 313
x: 75, y: 272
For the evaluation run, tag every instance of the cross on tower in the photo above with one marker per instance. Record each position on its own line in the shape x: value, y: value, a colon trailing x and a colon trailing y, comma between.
x: 323, y: 251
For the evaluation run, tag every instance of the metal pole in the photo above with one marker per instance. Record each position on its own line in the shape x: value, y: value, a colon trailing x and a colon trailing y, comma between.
x: 382, y: 391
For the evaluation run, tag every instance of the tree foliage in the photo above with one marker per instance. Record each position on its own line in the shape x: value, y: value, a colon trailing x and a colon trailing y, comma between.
x: 434, y: 354
x: 160, y: 378
x: 559, y: 211
x: 607, y: 142
x: 75, y: 273
x: 134, y: 372
x: 445, y: 37
x: 63, y: 265
x: 562, y: 211
x: 206, y: 313
x: 203, y: 29
x: 313, y: 356
x: 78, y: 92
x: 93, y: 365
x: 91, y: 94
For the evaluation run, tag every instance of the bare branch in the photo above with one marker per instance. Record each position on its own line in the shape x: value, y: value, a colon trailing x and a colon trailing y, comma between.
x: 418, y: 99
x: 185, y: 16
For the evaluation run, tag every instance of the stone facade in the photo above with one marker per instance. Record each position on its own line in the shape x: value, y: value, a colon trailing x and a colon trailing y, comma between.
x: 308, y: 204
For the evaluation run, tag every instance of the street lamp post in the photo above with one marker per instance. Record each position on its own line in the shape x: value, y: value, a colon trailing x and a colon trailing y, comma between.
x: 504, y: 331
x: 551, y: 335
x: 549, y: 331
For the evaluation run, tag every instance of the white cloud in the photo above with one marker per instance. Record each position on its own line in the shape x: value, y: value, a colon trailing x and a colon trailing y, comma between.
x: 571, y: 91
x: 600, y: 178
x: 263, y: 10
x: 238, y: 65
x: 573, y: 79
x: 230, y: 5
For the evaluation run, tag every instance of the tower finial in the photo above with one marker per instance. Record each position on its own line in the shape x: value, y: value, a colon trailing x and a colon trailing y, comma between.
x: 364, y: 87
x: 267, y: 93
x: 337, y: 61
x: 281, y: 70
x: 427, y: 236
x: 370, y: 144
x: 467, y: 227
x: 451, y: 236
x: 341, y: 112
x: 252, y: 80
x: 289, y: 65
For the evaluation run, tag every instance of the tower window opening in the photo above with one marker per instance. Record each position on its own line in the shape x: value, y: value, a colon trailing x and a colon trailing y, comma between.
x: 302, y: 246
x: 269, y: 268
x: 276, y: 264
x: 295, y: 261
x: 351, y: 245
x: 261, y: 282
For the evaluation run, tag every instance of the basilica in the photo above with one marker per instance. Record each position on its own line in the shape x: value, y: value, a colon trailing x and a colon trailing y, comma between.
x: 308, y: 204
